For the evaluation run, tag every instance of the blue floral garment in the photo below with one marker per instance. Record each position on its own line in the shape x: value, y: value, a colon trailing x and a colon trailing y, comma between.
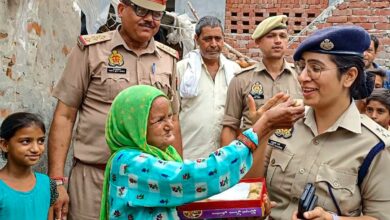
x: 144, y: 187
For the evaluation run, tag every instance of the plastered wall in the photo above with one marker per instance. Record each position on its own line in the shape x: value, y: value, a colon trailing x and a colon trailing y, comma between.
x: 35, y: 37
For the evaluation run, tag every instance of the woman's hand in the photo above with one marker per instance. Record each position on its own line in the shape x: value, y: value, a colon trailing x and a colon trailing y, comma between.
x: 268, y: 205
x: 318, y: 214
x: 254, y: 114
x: 283, y: 115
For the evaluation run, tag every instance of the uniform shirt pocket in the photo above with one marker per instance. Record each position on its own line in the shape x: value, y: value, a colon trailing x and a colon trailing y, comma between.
x: 277, y: 166
x: 259, y: 102
x: 343, y: 186
x: 114, y: 83
x: 162, y: 82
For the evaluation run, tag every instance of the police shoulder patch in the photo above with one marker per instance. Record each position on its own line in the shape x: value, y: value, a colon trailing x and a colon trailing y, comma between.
x: 244, y: 70
x: 257, y: 91
x: 167, y: 49
x: 86, y: 40
x: 375, y: 128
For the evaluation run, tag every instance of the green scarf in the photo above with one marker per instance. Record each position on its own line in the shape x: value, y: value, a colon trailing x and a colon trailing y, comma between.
x: 126, y: 128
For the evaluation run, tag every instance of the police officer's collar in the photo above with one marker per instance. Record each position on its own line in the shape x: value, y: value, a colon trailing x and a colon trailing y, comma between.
x: 286, y: 66
x: 117, y: 40
x: 349, y: 120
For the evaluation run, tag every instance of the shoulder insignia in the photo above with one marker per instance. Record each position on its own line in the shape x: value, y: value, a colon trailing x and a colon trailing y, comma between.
x: 257, y: 91
x: 246, y: 69
x: 167, y: 49
x: 375, y: 128
x: 86, y: 40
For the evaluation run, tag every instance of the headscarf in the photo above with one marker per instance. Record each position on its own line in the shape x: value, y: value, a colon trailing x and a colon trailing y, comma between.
x: 126, y: 128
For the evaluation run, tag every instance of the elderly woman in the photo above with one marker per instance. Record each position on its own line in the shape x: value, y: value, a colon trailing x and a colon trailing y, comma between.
x: 146, y: 178
x: 328, y: 146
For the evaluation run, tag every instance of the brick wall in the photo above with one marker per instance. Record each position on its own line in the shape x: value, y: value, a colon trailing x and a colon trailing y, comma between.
x: 242, y: 17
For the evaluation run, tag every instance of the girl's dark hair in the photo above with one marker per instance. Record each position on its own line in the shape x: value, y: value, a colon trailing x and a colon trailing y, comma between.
x: 381, y: 95
x: 19, y: 120
x: 363, y: 84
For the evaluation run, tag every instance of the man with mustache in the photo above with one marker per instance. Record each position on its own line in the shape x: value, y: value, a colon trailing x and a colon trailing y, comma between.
x: 204, y: 76
x: 262, y: 81
x: 97, y: 70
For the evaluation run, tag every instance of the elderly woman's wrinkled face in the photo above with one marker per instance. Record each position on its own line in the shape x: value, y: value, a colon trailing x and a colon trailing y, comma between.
x: 159, y: 133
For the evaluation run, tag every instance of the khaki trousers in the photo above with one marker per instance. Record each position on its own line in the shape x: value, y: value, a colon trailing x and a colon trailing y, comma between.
x: 85, y: 189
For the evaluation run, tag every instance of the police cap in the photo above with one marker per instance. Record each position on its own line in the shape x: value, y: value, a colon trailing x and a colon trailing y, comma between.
x: 336, y: 40
x: 154, y: 5
x: 269, y: 24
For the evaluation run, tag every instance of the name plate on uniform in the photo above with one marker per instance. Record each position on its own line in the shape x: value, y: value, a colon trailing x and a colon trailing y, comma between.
x: 116, y: 70
x: 276, y: 144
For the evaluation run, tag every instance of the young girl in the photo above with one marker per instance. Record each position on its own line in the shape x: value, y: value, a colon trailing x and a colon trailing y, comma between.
x: 24, y: 194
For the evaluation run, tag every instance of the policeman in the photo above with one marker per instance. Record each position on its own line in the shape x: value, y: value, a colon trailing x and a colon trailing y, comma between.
x: 263, y: 80
x: 97, y: 70
x: 329, y: 147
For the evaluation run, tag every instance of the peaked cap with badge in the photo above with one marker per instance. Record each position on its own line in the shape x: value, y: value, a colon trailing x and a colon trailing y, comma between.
x: 269, y: 24
x: 341, y: 41
x: 155, y: 5
x: 337, y: 40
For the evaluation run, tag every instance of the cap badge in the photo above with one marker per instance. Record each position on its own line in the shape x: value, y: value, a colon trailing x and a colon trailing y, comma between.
x: 326, y: 44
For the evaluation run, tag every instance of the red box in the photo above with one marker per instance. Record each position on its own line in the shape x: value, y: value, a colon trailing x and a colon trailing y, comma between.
x: 225, y: 208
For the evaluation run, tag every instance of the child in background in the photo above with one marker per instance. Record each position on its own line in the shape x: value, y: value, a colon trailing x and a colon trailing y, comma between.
x: 380, y: 77
x: 24, y: 194
x: 378, y: 107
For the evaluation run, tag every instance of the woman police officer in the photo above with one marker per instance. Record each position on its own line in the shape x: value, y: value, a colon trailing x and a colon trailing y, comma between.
x: 328, y: 146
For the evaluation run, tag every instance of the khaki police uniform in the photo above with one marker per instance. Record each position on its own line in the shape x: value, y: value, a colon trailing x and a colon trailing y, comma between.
x: 255, y: 80
x: 97, y: 70
x: 300, y: 155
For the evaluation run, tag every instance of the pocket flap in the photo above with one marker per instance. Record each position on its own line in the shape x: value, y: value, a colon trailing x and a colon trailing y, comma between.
x: 337, y: 179
x: 280, y: 158
x: 163, y: 79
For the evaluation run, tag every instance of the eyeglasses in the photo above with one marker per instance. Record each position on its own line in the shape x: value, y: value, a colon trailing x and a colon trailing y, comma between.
x: 142, y: 12
x: 313, y: 70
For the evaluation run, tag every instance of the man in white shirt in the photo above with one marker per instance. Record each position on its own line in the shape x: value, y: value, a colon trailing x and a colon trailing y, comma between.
x: 204, y: 78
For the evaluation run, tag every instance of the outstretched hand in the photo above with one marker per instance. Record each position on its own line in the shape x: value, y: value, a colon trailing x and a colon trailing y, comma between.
x: 282, y: 115
x: 254, y: 114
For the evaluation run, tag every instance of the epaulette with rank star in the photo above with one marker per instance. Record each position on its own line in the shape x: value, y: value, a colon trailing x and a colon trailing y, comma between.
x: 167, y: 49
x: 243, y: 70
x: 86, y: 40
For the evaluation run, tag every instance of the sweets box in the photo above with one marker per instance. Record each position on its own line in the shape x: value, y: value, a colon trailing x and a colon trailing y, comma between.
x: 227, y: 204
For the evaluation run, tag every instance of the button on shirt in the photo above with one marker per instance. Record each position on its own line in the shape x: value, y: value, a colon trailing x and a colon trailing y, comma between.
x: 201, y: 116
